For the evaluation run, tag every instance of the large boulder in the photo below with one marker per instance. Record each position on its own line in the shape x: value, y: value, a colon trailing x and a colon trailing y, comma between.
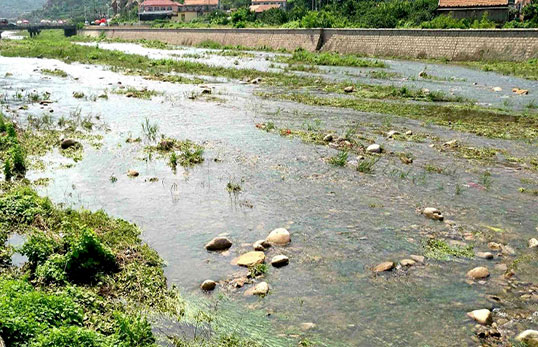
x: 251, y: 259
x: 218, y: 244
x: 279, y: 236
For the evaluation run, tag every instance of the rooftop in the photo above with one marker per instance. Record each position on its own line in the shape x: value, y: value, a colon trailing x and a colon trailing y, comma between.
x: 472, y: 3
x: 159, y: 3
x: 262, y: 8
x: 261, y: 1
x: 201, y: 3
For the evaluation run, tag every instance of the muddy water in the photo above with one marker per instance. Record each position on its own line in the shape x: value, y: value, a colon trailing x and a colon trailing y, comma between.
x: 342, y: 222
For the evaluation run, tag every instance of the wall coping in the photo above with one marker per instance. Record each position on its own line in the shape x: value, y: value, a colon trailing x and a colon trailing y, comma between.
x: 138, y: 28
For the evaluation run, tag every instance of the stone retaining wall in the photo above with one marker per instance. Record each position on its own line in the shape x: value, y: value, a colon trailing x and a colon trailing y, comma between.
x: 453, y: 44
x: 256, y: 38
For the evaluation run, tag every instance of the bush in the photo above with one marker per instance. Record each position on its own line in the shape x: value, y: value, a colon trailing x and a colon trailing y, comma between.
x: 26, y: 314
x: 134, y: 331
x: 69, y: 337
x: 22, y: 206
x: 87, y: 257
x: 8, y: 173
x: 39, y: 247
x: 53, y: 270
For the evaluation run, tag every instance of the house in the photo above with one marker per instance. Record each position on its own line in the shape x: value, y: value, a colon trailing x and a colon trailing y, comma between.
x: 191, y: 9
x: 497, y: 10
x: 157, y: 9
x: 259, y: 6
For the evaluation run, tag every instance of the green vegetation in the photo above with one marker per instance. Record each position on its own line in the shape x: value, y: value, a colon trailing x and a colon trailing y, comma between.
x: 55, y: 72
x: 473, y: 119
x: 441, y: 250
x: 367, y: 165
x: 301, y: 56
x: 132, y: 92
x: 11, y: 152
x: 525, y: 69
x: 189, y: 155
x: 339, y: 160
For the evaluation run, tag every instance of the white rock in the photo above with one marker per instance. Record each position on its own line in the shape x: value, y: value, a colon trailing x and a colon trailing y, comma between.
x: 481, y: 316
x: 392, y: 133
x: 417, y: 258
x: 261, y: 288
x: 279, y: 236
x: 497, y: 89
x: 374, y: 148
x: 533, y: 243
x: 484, y: 255
x: 307, y: 326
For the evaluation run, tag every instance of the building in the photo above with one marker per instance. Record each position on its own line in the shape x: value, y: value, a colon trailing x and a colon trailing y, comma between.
x: 259, y: 6
x: 191, y: 9
x: 497, y: 10
x: 157, y: 9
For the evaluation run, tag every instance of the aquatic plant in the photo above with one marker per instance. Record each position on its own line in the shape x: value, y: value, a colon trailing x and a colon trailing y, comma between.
x: 150, y: 130
x: 441, y: 250
x: 339, y: 160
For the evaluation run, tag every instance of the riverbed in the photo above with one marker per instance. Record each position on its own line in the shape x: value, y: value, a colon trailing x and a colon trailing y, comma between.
x: 342, y: 222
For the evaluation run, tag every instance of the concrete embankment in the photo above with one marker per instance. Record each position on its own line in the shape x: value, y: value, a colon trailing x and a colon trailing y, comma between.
x: 453, y: 44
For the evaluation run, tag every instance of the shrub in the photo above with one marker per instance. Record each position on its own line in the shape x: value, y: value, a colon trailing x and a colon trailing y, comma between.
x: 134, y: 331
x: 87, y: 257
x: 8, y: 173
x: 53, y: 270
x: 22, y: 206
x: 17, y: 156
x: 26, y: 313
x: 39, y: 247
x: 69, y: 337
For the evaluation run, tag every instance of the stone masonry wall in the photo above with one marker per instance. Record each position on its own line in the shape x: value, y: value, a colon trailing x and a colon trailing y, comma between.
x: 255, y: 38
x: 516, y: 44
x: 453, y: 44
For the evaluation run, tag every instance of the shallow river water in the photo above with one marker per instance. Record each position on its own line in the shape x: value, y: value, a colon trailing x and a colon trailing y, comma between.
x: 342, y: 222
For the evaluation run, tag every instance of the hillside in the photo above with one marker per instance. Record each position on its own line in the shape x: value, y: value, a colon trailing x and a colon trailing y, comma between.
x: 78, y: 10
x: 13, y: 9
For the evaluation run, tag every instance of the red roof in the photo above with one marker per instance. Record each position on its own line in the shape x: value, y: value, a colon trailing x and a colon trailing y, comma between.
x: 262, y: 8
x: 472, y: 3
x: 201, y: 3
x: 270, y: 1
x: 163, y: 3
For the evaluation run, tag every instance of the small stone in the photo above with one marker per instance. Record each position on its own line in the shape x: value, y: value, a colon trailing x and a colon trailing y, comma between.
x: 251, y: 259
x: 261, y: 288
x: 533, y: 243
x: 385, y: 266
x: 259, y: 245
x: 478, y: 272
x: 417, y: 258
x: 279, y: 236
x: 391, y: 133
x: 409, y: 133
x: 494, y: 246
x: 423, y: 74
x: 407, y: 262
x: 67, y: 143
x: 481, y: 316
x: 530, y: 337
x: 257, y: 80
x: 208, y: 285
x: 133, y: 173
x: 307, y: 326
x: 206, y: 91
x: 484, y: 255
x: 433, y: 213
x: 497, y: 89
x: 519, y: 91
x: 218, y: 244
x: 129, y: 95
x: 349, y: 89
x: 280, y: 260
x: 451, y: 143
x: 328, y: 138
x: 374, y: 148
